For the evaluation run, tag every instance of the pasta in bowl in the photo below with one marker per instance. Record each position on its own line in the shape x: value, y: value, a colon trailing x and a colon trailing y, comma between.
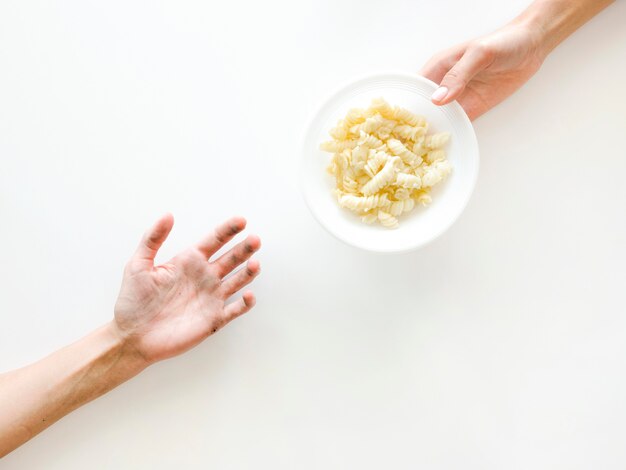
x: 398, y: 163
x: 384, y: 162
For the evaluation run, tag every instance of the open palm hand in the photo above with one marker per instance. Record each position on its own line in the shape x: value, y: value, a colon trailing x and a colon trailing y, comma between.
x: 167, y: 309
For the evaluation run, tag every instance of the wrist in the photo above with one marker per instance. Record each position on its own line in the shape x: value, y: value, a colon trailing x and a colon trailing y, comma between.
x: 554, y: 20
x: 535, y: 23
x: 130, y: 358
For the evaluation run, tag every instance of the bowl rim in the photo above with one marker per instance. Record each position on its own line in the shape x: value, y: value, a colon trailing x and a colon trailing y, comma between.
x: 303, y: 155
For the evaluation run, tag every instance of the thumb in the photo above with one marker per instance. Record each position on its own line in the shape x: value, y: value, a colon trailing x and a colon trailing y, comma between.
x: 474, y: 60
x: 154, y: 238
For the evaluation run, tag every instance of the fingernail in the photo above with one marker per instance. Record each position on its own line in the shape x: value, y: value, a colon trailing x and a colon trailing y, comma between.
x: 440, y: 93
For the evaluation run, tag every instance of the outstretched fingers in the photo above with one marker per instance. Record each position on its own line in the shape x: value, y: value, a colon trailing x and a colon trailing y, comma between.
x: 239, y: 254
x: 241, y: 278
x: 240, y: 306
x: 153, y: 240
x: 222, y: 234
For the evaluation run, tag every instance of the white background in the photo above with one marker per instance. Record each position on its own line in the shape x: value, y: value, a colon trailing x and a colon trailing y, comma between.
x: 499, y: 346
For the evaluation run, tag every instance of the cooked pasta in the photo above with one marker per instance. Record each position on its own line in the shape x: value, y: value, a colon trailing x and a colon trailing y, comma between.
x: 397, y: 148
x: 368, y: 140
x: 385, y: 162
x: 436, y: 141
x: 338, y: 145
x: 401, y: 194
x: 363, y: 203
x: 408, y: 181
x: 407, y: 117
x: 398, y: 207
x: 381, y: 179
x: 370, y: 217
x: 387, y: 220
x: 375, y: 163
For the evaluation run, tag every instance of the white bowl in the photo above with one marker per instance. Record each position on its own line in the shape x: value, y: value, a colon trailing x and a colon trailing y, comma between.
x: 450, y: 197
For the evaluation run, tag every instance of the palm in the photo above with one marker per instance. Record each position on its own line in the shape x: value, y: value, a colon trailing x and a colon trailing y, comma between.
x: 165, y: 310
x: 183, y: 305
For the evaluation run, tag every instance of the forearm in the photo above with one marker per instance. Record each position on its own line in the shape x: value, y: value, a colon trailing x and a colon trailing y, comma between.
x: 555, y: 20
x: 34, y: 397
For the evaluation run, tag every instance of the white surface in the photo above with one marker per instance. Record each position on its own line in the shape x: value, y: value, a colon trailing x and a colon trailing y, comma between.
x: 500, y: 345
x: 450, y: 197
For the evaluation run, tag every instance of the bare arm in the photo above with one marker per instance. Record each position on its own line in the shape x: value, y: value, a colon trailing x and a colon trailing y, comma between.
x: 556, y: 20
x: 34, y: 397
x: 162, y: 311
x: 482, y: 72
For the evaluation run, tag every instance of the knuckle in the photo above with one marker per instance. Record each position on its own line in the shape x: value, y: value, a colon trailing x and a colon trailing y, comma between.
x: 454, y: 73
x: 219, y: 237
x: 455, y: 76
x: 153, y: 238
x: 485, y: 50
